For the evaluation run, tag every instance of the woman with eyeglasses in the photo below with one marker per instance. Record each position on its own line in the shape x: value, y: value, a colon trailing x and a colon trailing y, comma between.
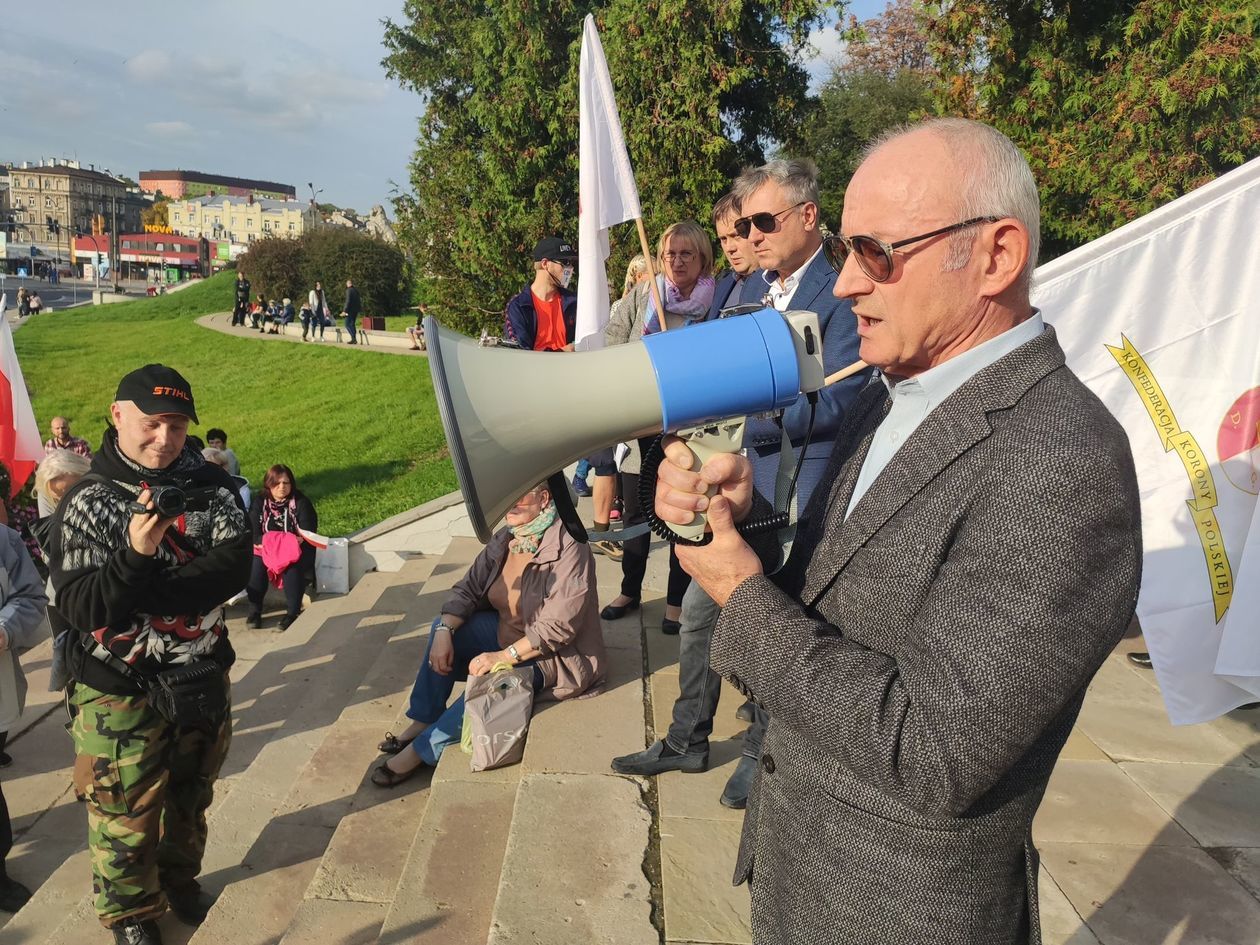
x: 529, y: 599
x: 685, y: 262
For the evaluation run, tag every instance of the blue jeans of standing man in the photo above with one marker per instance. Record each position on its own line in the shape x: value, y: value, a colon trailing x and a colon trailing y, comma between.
x: 699, y: 687
x: 351, y: 320
x: 478, y: 634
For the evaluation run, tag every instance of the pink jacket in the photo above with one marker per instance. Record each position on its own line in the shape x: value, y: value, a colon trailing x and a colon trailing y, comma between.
x: 559, y: 604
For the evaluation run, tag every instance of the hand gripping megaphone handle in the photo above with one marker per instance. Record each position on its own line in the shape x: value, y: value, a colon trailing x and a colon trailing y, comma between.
x: 705, y: 442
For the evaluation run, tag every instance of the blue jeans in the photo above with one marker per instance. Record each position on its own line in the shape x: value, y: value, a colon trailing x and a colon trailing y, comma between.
x: 583, y: 469
x: 478, y: 634
x: 699, y: 687
x: 350, y: 323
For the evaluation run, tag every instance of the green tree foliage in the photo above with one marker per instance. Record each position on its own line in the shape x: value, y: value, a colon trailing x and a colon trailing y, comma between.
x: 278, y: 267
x: 702, y: 87
x: 882, y: 80
x: 1120, y: 105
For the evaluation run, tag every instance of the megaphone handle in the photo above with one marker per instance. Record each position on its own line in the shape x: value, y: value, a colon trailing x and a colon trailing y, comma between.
x: 705, y: 442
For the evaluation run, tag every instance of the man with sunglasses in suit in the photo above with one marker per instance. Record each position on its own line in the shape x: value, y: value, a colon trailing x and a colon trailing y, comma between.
x: 971, y: 560
x: 780, y: 229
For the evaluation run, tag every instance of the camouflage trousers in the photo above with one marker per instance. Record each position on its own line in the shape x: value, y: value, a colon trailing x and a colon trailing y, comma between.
x: 147, y: 784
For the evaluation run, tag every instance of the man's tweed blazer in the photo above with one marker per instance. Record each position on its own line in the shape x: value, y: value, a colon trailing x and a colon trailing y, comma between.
x: 924, y: 660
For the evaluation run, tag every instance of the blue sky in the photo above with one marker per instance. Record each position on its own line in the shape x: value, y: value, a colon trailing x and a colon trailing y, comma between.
x: 294, y: 96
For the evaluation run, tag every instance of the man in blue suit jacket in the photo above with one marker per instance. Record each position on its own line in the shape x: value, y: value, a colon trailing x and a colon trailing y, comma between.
x: 739, y: 256
x: 780, y: 226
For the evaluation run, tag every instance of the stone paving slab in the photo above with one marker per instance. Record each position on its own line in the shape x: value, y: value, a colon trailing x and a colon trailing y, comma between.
x: 573, y: 869
x: 1061, y: 924
x: 335, y: 923
x: 258, y: 904
x: 583, y: 735
x: 1218, y: 806
x: 447, y: 890
x: 1136, y: 895
x: 1095, y: 802
x: 1126, y: 718
x: 697, y: 862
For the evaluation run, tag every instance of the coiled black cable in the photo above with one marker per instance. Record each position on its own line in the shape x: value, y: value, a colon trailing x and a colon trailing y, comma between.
x: 655, y: 455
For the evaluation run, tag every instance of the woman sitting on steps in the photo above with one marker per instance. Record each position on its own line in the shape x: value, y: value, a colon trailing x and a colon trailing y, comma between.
x: 528, y: 599
x: 277, y: 514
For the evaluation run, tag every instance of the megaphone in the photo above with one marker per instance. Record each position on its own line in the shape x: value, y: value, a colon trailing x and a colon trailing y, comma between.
x: 513, y: 418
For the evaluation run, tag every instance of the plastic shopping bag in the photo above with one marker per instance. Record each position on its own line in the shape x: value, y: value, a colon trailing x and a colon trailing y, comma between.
x: 497, y: 709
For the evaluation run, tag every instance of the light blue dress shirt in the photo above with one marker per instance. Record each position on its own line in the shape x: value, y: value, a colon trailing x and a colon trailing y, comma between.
x: 916, y: 397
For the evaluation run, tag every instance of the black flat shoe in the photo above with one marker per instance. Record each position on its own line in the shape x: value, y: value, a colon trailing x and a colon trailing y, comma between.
x: 670, y: 627
x: 616, y: 612
x: 1140, y: 659
x: 390, y: 745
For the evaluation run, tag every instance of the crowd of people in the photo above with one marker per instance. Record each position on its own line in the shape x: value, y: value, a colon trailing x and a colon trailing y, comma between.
x: 314, y: 315
x: 911, y: 669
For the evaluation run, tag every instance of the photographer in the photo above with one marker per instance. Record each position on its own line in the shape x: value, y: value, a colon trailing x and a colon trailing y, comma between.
x: 143, y: 552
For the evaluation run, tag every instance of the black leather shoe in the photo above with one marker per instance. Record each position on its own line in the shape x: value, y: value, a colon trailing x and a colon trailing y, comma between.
x: 254, y: 620
x: 135, y: 932
x: 658, y: 758
x: 190, y: 905
x: 287, y: 621
x: 1140, y: 659
x: 735, y: 794
x: 13, y: 895
x: 670, y: 628
x: 614, y: 612
x: 745, y: 712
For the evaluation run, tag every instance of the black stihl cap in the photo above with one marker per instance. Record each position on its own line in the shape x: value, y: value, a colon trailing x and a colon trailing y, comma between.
x: 156, y: 388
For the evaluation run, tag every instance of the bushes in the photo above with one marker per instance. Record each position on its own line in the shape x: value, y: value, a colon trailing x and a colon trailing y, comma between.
x: 279, y: 267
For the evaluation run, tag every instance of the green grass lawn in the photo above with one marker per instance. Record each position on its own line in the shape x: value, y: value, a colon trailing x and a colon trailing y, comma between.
x: 360, y: 430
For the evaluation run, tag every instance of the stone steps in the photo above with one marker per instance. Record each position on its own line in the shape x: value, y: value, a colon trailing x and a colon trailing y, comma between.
x: 268, y: 684
x: 314, y: 779
x: 550, y: 850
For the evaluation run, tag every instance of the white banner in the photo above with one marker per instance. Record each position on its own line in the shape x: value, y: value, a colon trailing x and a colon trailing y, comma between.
x: 1160, y: 318
x: 607, y: 194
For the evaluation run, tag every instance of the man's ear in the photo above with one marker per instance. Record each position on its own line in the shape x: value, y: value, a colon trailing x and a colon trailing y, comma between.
x: 809, y: 215
x: 1004, y: 254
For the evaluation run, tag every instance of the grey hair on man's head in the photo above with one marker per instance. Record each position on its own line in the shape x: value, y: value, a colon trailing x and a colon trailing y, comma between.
x: 996, y: 181
x: 797, y: 178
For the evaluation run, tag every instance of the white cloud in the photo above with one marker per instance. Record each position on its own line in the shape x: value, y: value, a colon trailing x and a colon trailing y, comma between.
x: 169, y: 129
x: 827, y: 50
x: 149, y: 65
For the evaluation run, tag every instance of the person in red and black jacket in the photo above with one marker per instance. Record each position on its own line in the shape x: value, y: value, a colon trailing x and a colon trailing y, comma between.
x: 280, y: 506
x: 543, y: 316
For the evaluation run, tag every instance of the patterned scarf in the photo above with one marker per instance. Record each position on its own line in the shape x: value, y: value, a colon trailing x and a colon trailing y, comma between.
x: 525, y: 537
x: 691, y: 309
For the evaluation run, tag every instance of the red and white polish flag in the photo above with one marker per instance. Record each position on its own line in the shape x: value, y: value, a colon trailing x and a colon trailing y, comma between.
x: 20, y: 446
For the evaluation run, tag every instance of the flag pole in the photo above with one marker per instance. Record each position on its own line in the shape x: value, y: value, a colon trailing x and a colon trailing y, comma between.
x: 647, y: 256
x: 844, y: 372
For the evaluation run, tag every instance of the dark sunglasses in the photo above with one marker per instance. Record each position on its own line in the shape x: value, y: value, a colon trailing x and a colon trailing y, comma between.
x: 874, y: 256
x: 765, y: 222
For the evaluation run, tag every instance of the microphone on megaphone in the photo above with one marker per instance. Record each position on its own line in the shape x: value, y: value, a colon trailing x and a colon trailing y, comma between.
x: 513, y: 418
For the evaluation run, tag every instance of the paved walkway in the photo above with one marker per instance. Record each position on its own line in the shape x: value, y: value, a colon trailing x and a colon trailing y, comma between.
x: 379, y: 342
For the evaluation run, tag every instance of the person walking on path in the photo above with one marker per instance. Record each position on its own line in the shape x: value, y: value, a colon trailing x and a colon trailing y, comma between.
x: 351, y: 311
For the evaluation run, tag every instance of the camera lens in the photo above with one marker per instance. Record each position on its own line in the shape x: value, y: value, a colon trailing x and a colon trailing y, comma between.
x: 169, y: 501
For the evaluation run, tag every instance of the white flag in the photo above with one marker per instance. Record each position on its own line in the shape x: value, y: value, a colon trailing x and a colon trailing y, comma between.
x: 1160, y: 319
x: 607, y: 194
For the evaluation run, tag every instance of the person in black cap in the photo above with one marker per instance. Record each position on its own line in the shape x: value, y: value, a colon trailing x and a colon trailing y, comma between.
x: 543, y: 316
x: 140, y: 574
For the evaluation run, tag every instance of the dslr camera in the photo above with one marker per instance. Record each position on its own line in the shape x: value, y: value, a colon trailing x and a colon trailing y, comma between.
x: 172, y: 501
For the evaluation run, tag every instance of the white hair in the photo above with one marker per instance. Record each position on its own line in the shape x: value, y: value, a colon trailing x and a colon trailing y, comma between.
x: 56, y: 464
x: 996, y: 182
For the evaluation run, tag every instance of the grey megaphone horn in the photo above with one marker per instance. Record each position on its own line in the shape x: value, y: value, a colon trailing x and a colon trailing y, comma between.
x: 513, y: 418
